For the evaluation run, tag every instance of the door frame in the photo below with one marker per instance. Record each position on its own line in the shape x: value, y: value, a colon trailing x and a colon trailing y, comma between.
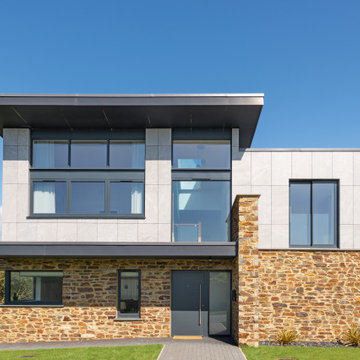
x: 208, y: 295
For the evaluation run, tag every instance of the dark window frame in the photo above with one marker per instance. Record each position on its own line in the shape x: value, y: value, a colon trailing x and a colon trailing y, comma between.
x: 337, y: 213
x: 69, y: 174
x: 125, y: 316
x: 8, y: 300
x: 201, y: 174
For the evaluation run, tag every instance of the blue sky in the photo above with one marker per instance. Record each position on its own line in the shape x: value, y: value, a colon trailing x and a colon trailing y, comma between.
x: 304, y: 55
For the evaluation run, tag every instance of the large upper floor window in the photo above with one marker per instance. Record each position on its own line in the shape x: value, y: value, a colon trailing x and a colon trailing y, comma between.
x: 314, y: 213
x: 82, y: 174
x: 201, y: 185
x: 33, y: 287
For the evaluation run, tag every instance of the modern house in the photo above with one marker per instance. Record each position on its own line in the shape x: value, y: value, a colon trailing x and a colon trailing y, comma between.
x: 152, y: 216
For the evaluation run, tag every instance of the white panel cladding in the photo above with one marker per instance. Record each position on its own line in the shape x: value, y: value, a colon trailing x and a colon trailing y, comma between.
x: 268, y: 172
x: 157, y: 222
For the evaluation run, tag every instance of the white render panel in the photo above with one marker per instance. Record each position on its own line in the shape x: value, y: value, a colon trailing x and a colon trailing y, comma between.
x: 148, y: 232
x: 241, y: 167
x: 322, y: 165
x: 301, y: 165
x: 280, y: 205
x: 357, y: 168
x: 87, y: 231
x: 281, y: 168
x: 343, y: 167
x: 356, y: 236
x: 264, y: 236
x: 346, y: 205
x: 66, y: 232
x: 346, y: 236
x: 357, y: 205
x: 261, y: 168
x: 107, y: 232
x: 164, y: 232
x: 279, y: 236
x: 127, y: 232
x: 264, y: 207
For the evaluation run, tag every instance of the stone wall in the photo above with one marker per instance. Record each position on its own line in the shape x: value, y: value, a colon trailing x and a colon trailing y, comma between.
x: 316, y: 293
x: 246, y: 270
x: 90, y: 297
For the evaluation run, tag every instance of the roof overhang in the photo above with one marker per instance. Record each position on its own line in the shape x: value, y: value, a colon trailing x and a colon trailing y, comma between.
x: 75, y: 111
x: 118, y: 250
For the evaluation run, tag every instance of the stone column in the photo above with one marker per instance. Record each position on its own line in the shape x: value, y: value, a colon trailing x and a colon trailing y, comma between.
x: 246, y: 270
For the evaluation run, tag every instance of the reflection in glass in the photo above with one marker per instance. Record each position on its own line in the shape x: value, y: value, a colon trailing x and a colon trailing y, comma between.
x: 36, y: 286
x: 126, y: 197
x: 324, y: 213
x: 2, y: 287
x: 129, y: 292
x: 300, y: 213
x: 201, y: 154
x: 87, y: 197
x: 50, y: 153
x: 49, y: 197
x: 127, y: 154
x: 88, y: 154
x: 201, y: 211
x: 219, y: 303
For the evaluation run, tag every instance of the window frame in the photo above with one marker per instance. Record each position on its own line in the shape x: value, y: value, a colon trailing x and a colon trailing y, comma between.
x: 126, y: 316
x: 201, y: 174
x: 69, y: 174
x: 8, y: 301
x: 337, y: 213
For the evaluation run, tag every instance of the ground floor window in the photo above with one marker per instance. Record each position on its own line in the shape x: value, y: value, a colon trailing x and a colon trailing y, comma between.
x: 129, y: 294
x: 33, y: 287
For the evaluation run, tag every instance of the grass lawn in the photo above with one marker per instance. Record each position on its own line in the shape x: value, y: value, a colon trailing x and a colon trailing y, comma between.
x: 142, y: 352
x: 300, y: 353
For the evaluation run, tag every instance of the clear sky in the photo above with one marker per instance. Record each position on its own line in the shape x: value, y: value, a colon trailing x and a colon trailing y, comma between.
x: 304, y: 55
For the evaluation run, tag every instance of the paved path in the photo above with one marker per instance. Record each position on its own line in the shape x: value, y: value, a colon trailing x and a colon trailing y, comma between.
x: 206, y: 349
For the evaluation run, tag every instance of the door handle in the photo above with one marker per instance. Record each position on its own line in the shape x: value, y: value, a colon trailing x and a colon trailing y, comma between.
x: 200, y: 307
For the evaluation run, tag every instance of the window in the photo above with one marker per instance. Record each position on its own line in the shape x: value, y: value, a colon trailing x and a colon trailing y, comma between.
x: 129, y: 294
x: 127, y: 154
x: 201, y: 211
x: 201, y: 154
x: 50, y: 154
x: 87, y: 197
x: 88, y: 174
x: 88, y: 154
x: 201, y: 195
x: 314, y: 213
x: 33, y: 287
x: 49, y: 197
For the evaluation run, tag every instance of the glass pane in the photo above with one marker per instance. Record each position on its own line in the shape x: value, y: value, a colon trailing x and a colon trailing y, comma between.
x: 50, y: 153
x: 324, y: 213
x: 127, y: 154
x: 201, y: 154
x: 25, y: 287
x: 2, y: 287
x: 201, y: 211
x: 87, y: 197
x: 88, y: 154
x: 129, y: 292
x: 126, y: 198
x: 300, y: 213
x: 49, y: 197
x: 219, y: 303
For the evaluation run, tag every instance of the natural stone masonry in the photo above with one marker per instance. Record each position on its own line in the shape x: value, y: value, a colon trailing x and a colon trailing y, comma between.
x: 316, y: 293
x: 90, y: 298
x: 246, y: 270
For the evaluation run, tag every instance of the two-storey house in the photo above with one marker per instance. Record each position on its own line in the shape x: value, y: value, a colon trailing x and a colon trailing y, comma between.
x: 152, y: 216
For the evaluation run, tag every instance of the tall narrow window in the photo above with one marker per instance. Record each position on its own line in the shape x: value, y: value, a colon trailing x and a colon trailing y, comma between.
x: 129, y: 293
x: 314, y: 213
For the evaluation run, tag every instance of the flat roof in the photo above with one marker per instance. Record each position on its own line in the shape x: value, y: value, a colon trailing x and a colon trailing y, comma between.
x: 118, y: 111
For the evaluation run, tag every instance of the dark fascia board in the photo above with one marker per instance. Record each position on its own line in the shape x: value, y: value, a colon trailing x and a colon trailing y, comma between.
x: 117, y: 250
x: 132, y: 99
x: 114, y: 112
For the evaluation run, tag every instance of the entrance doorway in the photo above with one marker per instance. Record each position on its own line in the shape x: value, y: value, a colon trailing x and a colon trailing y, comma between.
x: 200, y: 302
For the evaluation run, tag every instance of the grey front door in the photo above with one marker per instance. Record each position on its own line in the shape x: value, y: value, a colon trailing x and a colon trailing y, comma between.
x: 189, y: 303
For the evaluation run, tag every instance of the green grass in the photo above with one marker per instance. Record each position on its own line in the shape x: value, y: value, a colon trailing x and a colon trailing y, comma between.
x: 142, y: 352
x: 300, y: 353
